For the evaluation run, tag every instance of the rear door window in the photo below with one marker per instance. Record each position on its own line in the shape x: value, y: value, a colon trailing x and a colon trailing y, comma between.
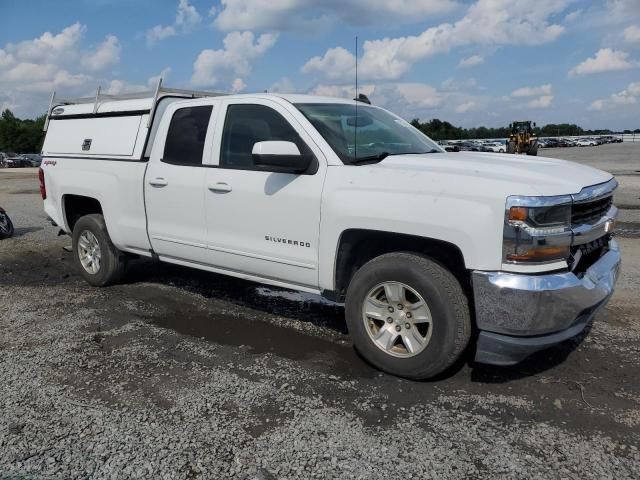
x: 186, y: 135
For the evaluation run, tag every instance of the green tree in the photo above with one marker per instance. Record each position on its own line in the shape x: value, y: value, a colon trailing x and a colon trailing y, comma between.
x: 20, y: 136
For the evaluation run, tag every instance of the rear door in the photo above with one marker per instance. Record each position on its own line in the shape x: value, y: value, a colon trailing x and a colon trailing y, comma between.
x: 260, y: 222
x: 175, y: 183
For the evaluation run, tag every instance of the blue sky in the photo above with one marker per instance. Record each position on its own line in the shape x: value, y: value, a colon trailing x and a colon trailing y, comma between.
x: 483, y: 62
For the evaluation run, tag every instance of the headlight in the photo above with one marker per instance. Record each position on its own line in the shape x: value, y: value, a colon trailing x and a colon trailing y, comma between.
x: 537, y: 229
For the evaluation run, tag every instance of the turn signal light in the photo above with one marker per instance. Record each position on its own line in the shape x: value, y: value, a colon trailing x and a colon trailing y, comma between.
x: 518, y: 214
x: 540, y: 254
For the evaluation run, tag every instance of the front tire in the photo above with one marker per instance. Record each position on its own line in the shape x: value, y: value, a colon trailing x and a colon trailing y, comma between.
x: 99, y: 262
x: 407, y: 315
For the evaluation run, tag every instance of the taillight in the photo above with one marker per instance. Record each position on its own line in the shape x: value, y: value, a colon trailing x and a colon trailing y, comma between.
x: 43, y: 187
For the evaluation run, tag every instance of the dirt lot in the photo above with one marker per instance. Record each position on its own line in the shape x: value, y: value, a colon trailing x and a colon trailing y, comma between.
x: 185, y: 374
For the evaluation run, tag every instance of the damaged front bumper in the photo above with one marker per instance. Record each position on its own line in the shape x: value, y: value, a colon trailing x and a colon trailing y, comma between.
x: 520, y: 314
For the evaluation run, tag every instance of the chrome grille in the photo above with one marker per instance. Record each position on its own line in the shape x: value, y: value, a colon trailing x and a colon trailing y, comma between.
x: 590, y: 211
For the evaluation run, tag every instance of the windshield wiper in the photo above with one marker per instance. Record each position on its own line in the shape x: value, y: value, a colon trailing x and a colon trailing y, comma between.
x: 370, y: 159
x: 382, y: 155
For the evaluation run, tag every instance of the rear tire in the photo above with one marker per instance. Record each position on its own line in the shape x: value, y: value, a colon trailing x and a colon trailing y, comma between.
x: 533, y: 150
x: 439, y: 333
x: 99, y: 262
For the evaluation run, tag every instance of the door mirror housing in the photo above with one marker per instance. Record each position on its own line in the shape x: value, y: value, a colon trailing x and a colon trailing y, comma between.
x: 280, y: 156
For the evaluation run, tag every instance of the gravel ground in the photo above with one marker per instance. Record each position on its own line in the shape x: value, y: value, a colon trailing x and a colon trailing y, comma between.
x: 185, y: 374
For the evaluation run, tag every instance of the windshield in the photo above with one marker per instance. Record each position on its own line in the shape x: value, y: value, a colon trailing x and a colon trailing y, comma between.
x: 378, y: 133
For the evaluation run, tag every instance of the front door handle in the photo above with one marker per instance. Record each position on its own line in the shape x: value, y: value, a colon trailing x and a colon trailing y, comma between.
x: 220, y: 187
x: 158, y: 182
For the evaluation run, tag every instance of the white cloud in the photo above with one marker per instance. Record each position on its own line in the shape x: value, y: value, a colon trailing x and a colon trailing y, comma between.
x: 573, y: 16
x: 104, y: 56
x: 164, y: 74
x: 187, y: 17
x: 234, y: 61
x: 49, y: 47
x: 452, y: 84
x: 628, y: 96
x: 486, y: 22
x: 543, y: 101
x: 532, y: 91
x: 313, y: 15
x: 472, y: 61
x: 238, y: 85
x: 632, y: 34
x: 605, y: 60
x: 32, y: 69
x: 157, y: 33
x: 465, y: 107
x: 118, y: 87
x: 334, y: 64
x: 597, y: 105
x: 341, y: 91
x: 284, y: 85
x: 420, y: 95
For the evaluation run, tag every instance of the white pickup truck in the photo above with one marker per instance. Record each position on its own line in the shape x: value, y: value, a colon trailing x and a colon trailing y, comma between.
x: 431, y: 252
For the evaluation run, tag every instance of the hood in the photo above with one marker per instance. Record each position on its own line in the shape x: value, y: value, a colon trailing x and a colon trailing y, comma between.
x: 525, y: 175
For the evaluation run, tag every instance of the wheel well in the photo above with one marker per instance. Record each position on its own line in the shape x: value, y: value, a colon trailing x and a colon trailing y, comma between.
x: 76, y: 206
x: 357, y: 247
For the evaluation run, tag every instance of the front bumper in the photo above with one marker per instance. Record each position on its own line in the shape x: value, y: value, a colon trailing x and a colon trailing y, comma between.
x: 518, y: 314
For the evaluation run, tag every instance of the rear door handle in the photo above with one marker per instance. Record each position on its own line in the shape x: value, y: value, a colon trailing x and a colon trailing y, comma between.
x: 220, y: 187
x: 158, y: 182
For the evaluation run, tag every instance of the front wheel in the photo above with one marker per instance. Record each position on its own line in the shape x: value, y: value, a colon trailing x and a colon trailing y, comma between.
x: 100, y: 263
x: 407, y: 315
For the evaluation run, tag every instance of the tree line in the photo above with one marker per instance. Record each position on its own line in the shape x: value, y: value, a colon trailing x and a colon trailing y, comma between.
x: 443, y: 130
x: 20, y: 136
x: 26, y: 136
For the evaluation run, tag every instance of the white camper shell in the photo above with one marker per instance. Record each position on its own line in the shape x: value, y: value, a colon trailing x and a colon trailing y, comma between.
x: 110, y: 127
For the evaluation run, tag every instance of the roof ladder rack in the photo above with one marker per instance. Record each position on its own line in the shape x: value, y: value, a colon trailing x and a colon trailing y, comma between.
x: 46, y: 120
x: 156, y: 95
x: 95, y: 104
x: 154, y: 103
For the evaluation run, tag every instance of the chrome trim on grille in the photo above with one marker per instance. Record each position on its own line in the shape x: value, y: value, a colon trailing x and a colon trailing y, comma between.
x: 595, y: 192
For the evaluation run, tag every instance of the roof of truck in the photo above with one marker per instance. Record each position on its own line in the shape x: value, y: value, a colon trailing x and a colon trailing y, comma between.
x: 115, y: 104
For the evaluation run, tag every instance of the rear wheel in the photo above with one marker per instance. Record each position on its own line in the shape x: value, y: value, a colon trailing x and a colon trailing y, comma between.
x: 407, y: 315
x: 533, y: 149
x: 100, y: 263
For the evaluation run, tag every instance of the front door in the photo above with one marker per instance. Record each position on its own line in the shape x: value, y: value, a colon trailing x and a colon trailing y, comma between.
x: 259, y: 222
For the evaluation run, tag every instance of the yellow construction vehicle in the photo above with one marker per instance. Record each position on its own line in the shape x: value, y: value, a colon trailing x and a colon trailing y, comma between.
x: 522, y: 139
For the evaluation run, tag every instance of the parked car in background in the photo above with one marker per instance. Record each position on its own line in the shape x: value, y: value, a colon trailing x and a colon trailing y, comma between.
x: 496, y: 147
x: 586, y: 142
x: 468, y: 147
x: 33, y: 159
x: 19, y: 161
x: 4, y: 157
x: 449, y: 146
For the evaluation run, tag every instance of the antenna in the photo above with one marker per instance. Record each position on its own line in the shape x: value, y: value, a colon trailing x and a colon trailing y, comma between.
x: 355, y: 134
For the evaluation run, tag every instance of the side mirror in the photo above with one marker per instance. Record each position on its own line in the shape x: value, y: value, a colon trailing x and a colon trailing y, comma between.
x: 280, y: 156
